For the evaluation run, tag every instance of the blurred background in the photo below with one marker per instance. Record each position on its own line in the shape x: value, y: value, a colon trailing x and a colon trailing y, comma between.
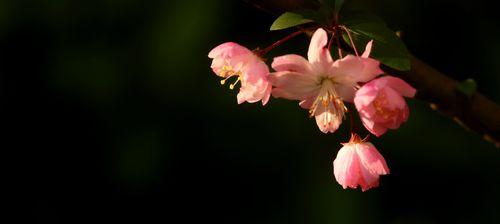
x: 113, y: 114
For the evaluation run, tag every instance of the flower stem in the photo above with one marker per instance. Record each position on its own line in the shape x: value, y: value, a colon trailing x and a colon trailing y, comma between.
x: 330, y: 42
x: 278, y: 43
x: 353, y: 127
x: 350, y: 39
x: 337, y: 37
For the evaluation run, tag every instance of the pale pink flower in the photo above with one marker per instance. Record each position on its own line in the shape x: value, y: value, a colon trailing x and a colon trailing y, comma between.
x: 381, y: 105
x: 359, y: 163
x: 231, y: 59
x: 320, y: 83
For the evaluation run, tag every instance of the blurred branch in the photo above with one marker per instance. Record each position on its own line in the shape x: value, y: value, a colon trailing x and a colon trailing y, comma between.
x: 476, y: 113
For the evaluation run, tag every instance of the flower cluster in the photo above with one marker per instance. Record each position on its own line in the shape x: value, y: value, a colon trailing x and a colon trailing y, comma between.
x: 324, y: 86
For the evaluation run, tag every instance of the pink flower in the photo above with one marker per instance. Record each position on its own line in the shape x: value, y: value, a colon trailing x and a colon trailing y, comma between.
x: 320, y: 83
x: 359, y: 163
x: 380, y: 103
x: 231, y: 59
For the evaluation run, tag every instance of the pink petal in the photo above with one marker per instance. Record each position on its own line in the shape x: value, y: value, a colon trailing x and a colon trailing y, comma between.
x: 317, y: 52
x: 228, y: 49
x: 352, y: 69
x: 368, y: 49
x: 327, y: 121
x: 372, y: 164
x: 307, y: 103
x: 255, y: 69
x: 371, y: 70
x: 400, y: 86
x: 365, y: 95
x: 346, y: 167
x: 367, y: 111
x: 292, y: 85
x: 373, y: 127
x: 405, y: 114
x: 292, y: 63
x: 346, y: 91
x: 254, y: 92
x: 393, y: 98
x: 254, y: 83
x: 267, y: 94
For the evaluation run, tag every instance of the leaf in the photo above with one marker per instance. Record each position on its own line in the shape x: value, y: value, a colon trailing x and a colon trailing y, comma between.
x: 291, y: 19
x: 467, y: 87
x: 387, y: 47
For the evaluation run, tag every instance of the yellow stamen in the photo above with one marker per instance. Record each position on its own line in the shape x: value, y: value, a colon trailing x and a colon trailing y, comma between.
x: 236, y: 82
x: 227, y: 71
x: 380, y: 107
x: 222, y: 82
x: 332, y: 103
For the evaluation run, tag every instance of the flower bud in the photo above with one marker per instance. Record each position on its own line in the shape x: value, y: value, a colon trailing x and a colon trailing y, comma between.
x: 381, y: 105
x: 359, y: 163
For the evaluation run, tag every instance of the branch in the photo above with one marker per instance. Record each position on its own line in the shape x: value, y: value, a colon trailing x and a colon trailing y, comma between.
x: 476, y: 113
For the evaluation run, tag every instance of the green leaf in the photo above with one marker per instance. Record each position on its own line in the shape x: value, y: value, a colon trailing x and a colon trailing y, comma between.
x: 291, y: 19
x: 467, y: 87
x: 387, y: 47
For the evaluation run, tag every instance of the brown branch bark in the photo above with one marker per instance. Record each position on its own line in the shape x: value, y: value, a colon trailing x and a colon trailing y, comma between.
x: 476, y: 113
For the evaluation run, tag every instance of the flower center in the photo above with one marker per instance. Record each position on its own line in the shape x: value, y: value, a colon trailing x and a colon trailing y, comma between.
x: 329, y: 100
x: 227, y: 71
x: 380, y: 104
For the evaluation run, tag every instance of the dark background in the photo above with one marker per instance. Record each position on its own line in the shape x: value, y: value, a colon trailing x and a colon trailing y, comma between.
x: 113, y: 114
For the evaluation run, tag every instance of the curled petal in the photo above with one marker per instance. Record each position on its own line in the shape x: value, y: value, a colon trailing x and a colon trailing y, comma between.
x: 317, y: 53
x: 368, y: 49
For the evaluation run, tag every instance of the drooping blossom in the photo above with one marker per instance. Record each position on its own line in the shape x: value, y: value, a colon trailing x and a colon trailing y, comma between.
x: 320, y: 83
x: 359, y: 163
x: 381, y: 105
x: 231, y: 59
